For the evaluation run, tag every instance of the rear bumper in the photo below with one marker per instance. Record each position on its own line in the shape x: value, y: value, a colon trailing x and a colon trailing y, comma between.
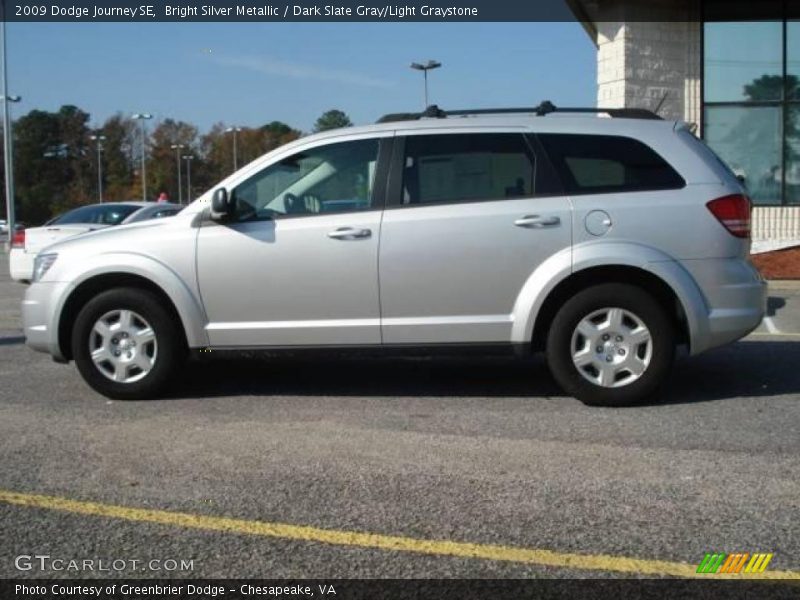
x: 39, y: 310
x: 20, y: 264
x: 736, y: 300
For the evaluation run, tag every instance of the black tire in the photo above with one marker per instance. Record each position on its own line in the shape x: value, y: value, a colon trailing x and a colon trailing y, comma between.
x: 169, y: 350
x: 596, y: 298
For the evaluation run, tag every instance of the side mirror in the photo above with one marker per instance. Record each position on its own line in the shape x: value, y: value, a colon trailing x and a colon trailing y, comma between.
x: 222, y: 205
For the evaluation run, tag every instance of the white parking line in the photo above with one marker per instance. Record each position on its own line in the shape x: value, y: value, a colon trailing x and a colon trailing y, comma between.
x: 770, y: 325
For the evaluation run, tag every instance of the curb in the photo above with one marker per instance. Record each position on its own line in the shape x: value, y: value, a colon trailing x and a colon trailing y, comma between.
x: 784, y: 284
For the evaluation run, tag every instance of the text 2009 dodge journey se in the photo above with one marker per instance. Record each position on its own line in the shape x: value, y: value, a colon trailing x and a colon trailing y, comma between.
x: 603, y: 241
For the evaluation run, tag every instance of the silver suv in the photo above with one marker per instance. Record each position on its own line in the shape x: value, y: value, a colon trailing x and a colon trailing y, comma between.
x: 606, y: 242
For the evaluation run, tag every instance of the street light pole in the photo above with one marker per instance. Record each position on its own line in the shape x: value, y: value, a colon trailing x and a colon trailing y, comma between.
x: 188, y: 158
x: 428, y: 66
x: 8, y: 145
x: 234, y: 130
x: 142, y: 117
x: 178, y: 148
x: 99, y: 139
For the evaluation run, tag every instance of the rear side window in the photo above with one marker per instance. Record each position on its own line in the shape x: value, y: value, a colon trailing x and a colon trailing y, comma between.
x: 467, y: 167
x: 598, y: 164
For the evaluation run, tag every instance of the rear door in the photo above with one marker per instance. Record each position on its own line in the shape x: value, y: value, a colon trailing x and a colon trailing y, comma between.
x: 470, y: 215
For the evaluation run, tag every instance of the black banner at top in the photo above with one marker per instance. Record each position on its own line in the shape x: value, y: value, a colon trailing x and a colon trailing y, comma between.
x: 320, y: 11
x: 287, y: 10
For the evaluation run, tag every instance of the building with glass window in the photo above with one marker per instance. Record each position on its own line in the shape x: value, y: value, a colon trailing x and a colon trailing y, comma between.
x: 732, y: 67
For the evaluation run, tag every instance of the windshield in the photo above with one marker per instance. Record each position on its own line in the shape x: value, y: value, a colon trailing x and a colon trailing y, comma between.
x: 158, y: 212
x: 111, y: 214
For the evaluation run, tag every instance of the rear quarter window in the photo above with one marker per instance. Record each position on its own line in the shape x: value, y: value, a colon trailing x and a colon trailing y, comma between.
x: 597, y: 164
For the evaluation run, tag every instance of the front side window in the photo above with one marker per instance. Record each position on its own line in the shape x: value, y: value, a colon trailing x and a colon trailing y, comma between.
x: 597, y: 164
x: 466, y: 168
x: 327, y: 179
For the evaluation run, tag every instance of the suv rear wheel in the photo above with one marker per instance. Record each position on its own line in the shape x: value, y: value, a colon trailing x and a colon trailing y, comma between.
x: 126, y: 344
x: 611, y: 345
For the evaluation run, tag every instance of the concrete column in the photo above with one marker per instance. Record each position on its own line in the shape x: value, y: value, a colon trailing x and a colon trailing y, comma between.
x: 647, y: 64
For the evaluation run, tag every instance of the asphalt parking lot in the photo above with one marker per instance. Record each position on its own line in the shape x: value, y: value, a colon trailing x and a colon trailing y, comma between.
x: 264, y: 467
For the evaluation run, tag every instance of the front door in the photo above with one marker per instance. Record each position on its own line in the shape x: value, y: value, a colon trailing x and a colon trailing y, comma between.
x: 298, y: 263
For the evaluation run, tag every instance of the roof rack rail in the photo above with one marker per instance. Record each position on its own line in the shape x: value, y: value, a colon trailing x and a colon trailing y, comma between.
x: 544, y: 108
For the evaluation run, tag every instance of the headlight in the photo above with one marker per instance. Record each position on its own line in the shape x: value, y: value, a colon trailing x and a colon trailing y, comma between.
x: 42, y: 264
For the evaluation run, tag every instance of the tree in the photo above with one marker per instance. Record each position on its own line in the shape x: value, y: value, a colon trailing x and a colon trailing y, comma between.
x: 73, y: 125
x: 119, y: 159
x: 56, y: 159
x: 276, y: 134
x: 332, y: 119
x: 162, y: 165
x: 217, y: 148
x: 52, y: 170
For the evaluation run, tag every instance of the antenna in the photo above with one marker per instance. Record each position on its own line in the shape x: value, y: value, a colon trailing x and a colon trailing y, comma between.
x: 660, y: 104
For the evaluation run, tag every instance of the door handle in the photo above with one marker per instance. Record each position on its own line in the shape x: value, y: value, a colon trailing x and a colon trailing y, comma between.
x: 537, y: 221
x: 349, y: 233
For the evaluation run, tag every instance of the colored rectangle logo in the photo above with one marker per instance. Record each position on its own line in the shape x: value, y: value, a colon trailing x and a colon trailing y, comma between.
x: 718, y: 563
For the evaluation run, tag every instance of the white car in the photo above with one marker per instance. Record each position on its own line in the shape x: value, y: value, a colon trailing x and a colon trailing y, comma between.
x: 27, y: 243
x: 3, y: 226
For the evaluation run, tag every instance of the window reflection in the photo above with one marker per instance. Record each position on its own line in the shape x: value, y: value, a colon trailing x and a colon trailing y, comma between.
x: 752, y: 97
x: 792, y: 60
x: 748, y: 139
x: 793, y: 155
x: 743, y: 61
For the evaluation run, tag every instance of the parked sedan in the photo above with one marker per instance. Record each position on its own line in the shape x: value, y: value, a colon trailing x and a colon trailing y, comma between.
x: 27, y: 243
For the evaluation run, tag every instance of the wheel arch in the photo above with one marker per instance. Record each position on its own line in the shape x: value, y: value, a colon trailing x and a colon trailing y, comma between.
x: 178, y: 300
x: 580, y: 280
x: 601, y: 262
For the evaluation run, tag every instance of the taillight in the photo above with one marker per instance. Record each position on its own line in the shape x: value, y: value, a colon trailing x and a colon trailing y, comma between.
x: 733, y: 212
x: 18, y: 239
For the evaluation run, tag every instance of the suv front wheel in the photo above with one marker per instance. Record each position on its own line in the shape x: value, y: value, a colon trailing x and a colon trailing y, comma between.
x: 611, y: 345
x: 126, y: 345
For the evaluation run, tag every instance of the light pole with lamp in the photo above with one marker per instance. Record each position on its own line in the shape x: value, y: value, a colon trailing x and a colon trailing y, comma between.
x: 234, y: 131
x: 188, y: 158
x: 99, y: 138
x: 428, y: 66
x: 8, y: 145
x: 8, y: 151
x: 178, y: 148
x: 142, y: 117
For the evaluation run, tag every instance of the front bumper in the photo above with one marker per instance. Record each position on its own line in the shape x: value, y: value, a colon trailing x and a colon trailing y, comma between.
x: 40, y: 308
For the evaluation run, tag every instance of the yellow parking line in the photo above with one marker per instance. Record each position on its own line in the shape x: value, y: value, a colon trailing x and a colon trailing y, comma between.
x: 594, y: 562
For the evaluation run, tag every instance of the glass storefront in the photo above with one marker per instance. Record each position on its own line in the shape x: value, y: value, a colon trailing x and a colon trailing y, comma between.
x: 751, y: 103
